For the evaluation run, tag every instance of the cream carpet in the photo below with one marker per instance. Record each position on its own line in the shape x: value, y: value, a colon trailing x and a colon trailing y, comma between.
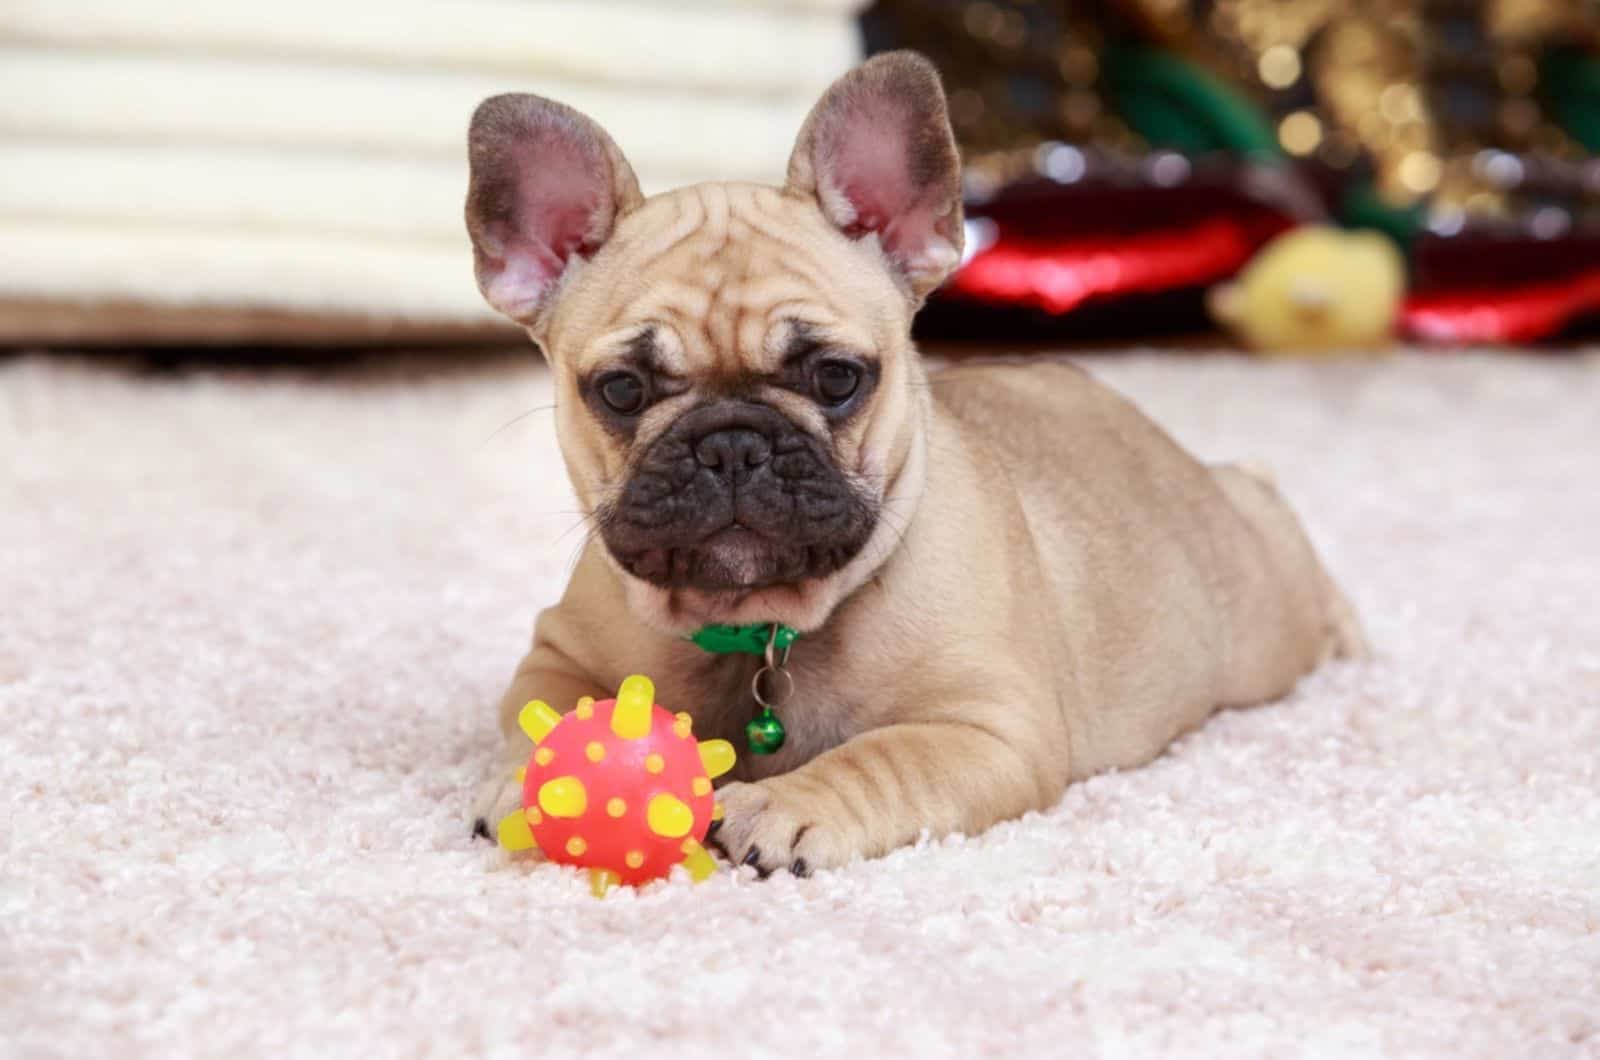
x: 252, y: 625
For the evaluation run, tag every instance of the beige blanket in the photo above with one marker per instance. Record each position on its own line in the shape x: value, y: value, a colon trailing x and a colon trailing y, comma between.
x: 308, y: 157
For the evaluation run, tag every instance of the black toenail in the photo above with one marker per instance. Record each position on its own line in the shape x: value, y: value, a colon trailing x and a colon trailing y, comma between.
x: 753, y: 859
x: 800, y: 868
x: 480, y: 828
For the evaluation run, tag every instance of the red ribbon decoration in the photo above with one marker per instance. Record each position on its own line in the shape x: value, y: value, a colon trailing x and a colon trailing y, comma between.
x: 1486, y: 315
x: 1057, y: 275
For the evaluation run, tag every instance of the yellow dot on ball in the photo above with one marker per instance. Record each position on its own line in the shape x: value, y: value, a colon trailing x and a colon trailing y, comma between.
x: 585, y: 708
x: 668, y: 817
x: 563, y: 797
x: 533, y: 815
x: 616, y: 807
x: 654, y: 763
x: 576, y: 846
x: 634, y: 859
x: 683, y: 726
x: 701, y: 786
x: 595, y: 751
x: 544, y: 756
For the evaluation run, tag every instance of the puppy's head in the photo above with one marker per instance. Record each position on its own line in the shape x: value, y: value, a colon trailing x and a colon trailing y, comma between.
x: 738, y: 401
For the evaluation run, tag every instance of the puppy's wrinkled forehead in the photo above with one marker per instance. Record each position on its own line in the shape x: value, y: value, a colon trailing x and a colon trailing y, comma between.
x: 724, y: 280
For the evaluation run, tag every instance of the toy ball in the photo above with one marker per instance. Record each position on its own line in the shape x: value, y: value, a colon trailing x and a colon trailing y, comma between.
x: 1315, y: 290
x: 620, y: 787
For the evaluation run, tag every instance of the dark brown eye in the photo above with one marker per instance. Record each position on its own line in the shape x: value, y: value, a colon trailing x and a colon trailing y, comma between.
x: 623, y: 393
x: 836, y: 382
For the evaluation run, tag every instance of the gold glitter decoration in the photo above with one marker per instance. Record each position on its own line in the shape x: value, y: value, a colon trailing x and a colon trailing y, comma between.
x: 986, y: 49
x: 1518, y: 74
x: 1366, y: 76
x: 1408, y: 90
x: 1399, y: 83
x: 1279, y: 66
x: 1400, y: 103
x: 1419, y: 172
x: 1300, y: 132
x: 1527, y: 20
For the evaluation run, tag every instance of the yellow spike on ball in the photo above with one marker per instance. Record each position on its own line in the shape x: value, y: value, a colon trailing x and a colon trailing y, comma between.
x: 514, y: 832
x: 601, y: 881
x: 537, y: 719
x: 636, y: 701
x: 701, y: 865
x: 717, y: 756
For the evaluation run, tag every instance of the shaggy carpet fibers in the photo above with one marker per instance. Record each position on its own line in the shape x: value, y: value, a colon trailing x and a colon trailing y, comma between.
x: 253, y: 625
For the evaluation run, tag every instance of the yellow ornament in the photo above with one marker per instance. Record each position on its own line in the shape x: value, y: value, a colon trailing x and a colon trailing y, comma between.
x: 1315, y: 290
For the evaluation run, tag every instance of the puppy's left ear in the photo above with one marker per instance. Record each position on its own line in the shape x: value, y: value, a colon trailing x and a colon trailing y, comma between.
x: 878, y: 154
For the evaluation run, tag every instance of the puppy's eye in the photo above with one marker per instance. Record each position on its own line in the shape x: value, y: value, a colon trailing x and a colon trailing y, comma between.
x: 623, y: 393
x: 836, y: 382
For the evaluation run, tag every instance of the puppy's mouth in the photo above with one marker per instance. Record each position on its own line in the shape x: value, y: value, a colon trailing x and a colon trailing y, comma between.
x: 734, y: 498
x: 734, y: 559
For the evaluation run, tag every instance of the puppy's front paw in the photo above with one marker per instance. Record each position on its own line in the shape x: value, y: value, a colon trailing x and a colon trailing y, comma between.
x: 769, y: 826
x: 498, y: 794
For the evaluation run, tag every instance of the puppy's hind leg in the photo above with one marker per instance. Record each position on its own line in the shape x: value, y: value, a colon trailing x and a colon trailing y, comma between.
x: 1288, y: 616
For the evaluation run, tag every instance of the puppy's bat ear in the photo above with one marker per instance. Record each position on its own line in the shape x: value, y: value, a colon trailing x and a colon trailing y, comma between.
x: 547, y: 186
x: 878, y: 154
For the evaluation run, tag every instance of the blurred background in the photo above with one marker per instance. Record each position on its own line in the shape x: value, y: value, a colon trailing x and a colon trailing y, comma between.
x: 1292, y: 176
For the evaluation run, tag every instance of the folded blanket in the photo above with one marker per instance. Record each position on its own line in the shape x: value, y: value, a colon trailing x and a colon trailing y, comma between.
x: 242, y: 189
x: 312, y: 158
x: 102, y: 97
x: 406, y: 280
x: 745, y: 46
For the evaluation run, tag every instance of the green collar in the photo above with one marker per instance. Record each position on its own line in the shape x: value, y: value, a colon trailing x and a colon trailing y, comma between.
x: 748, y: 640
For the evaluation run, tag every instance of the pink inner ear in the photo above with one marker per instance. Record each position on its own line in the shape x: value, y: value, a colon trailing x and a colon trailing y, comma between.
x: 868, y: 167
x: 866, y: 184
x: 560, y: 197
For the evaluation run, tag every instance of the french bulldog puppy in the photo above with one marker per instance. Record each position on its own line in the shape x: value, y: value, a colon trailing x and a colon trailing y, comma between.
x: 1006, y: 578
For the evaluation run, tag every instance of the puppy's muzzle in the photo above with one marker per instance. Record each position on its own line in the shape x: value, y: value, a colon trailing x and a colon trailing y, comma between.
x: 734, y: 495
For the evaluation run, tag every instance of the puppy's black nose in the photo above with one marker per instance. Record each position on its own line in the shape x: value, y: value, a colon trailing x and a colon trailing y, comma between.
x: 733, y: 450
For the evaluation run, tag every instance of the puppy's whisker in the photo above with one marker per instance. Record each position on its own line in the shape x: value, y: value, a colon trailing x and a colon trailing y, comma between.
x: 512, y: 422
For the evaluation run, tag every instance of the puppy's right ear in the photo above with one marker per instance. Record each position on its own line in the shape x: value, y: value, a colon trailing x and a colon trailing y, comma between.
x: 547, y: 186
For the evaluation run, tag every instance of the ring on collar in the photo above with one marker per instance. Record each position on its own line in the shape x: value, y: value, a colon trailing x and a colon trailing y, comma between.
x: 776, y: 661
x: 765, y: 733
